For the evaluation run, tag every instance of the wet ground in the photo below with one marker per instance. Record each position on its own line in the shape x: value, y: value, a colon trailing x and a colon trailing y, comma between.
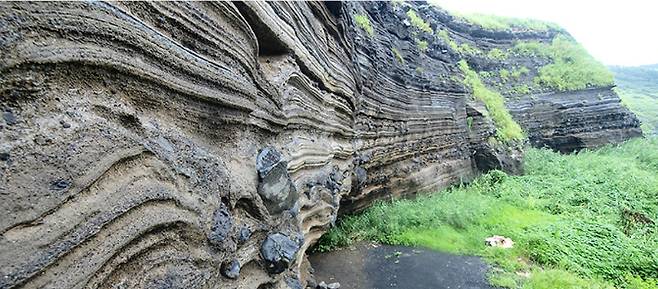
x: 370, y: 266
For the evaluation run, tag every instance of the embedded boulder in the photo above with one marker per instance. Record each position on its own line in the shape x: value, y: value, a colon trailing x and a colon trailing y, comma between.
x: 231, y: 269
x: 222, y: 223
x: 278, y: 252
x: 274, y: 183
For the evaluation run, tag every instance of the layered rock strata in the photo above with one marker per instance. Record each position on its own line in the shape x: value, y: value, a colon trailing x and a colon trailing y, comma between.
x: 208, y: 145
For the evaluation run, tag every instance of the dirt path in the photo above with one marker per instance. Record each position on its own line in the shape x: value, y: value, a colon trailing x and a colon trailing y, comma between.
x: 369, y: 266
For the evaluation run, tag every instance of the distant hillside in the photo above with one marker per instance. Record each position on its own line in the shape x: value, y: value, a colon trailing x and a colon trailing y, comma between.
x: 638, y: 88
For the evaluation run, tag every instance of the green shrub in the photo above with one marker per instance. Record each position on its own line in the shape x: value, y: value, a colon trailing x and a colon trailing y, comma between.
x: 521, y: 89
x: 443, y: 34
x: 504, y: 74
x: 531, y: 49
x: 519, y: 71
x: 633, y: 282
x: 571, y: 67
x: 469, y: 122
x: 463, y: 49
x: 422, y: 45
x: 364, y: 22
x: 506, y: 128
x: 466, y: 49
x: 486, y: 74
x: 397, y: 55
x: 418, y: 22
x: 496, y: 54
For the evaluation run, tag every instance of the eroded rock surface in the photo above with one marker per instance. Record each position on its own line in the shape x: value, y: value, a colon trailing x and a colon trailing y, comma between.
x: 165, y: 144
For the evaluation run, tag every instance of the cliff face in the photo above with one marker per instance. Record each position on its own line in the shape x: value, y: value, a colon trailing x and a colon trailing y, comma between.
x: 208, y: 145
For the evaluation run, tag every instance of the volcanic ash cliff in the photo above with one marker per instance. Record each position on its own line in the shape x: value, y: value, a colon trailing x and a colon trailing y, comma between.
x: 208, y: 145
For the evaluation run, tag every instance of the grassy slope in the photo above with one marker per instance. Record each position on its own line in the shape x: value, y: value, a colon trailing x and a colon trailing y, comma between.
x: 493, y: 22
x: 638, y: 88
x: 571, y: 67
x: 506, y: 128
x: 578, y: 221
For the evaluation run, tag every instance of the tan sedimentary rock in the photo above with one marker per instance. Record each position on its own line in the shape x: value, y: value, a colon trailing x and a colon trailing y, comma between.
x: 132, y: 132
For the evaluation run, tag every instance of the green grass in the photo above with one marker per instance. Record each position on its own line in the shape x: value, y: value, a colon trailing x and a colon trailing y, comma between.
x: 519, y: 71
x: 504, y: 74
x: 364, y: 22
x: 521, y: 89
x: 506, y: 128
x: 486, y: 74
x: 422, y: 45
x: 561, y: 279
x: 571, y: 67
x: 443, y: 34
x: 397, y: 55
x: 493, y: 22
x: 584, y: 220
x: 497, y: 54
x: 419, y: 22
x: 466, y: 49
x: 531, y: 49
x: 463, y: 49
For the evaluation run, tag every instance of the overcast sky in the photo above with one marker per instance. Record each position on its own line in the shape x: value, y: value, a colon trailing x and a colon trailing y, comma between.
x: 615, y: 32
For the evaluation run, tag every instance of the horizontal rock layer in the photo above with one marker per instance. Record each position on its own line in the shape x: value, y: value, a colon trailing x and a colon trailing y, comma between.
x: 570, y: 121
x: 143, y: 144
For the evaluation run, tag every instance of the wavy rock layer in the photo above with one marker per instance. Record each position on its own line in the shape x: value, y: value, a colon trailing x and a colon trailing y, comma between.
x: 208, y: 145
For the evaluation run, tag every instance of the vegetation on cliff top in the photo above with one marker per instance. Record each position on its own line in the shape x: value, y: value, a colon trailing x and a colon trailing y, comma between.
x: 493, y: 22
x: 571, y: 67
x: 506, y: 128
x: 586, y: 220
x: 568, y: 67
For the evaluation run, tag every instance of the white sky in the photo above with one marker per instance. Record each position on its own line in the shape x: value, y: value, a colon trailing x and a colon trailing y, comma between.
x: 615, y: 32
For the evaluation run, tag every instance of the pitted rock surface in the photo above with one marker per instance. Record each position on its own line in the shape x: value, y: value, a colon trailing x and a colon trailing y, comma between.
x: 222, y: 223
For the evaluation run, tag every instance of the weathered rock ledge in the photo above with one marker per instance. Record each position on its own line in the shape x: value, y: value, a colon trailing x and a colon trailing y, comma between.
x: 208, y: 145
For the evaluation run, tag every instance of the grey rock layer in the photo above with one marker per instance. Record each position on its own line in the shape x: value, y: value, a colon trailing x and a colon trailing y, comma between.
x: 131, y: 131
